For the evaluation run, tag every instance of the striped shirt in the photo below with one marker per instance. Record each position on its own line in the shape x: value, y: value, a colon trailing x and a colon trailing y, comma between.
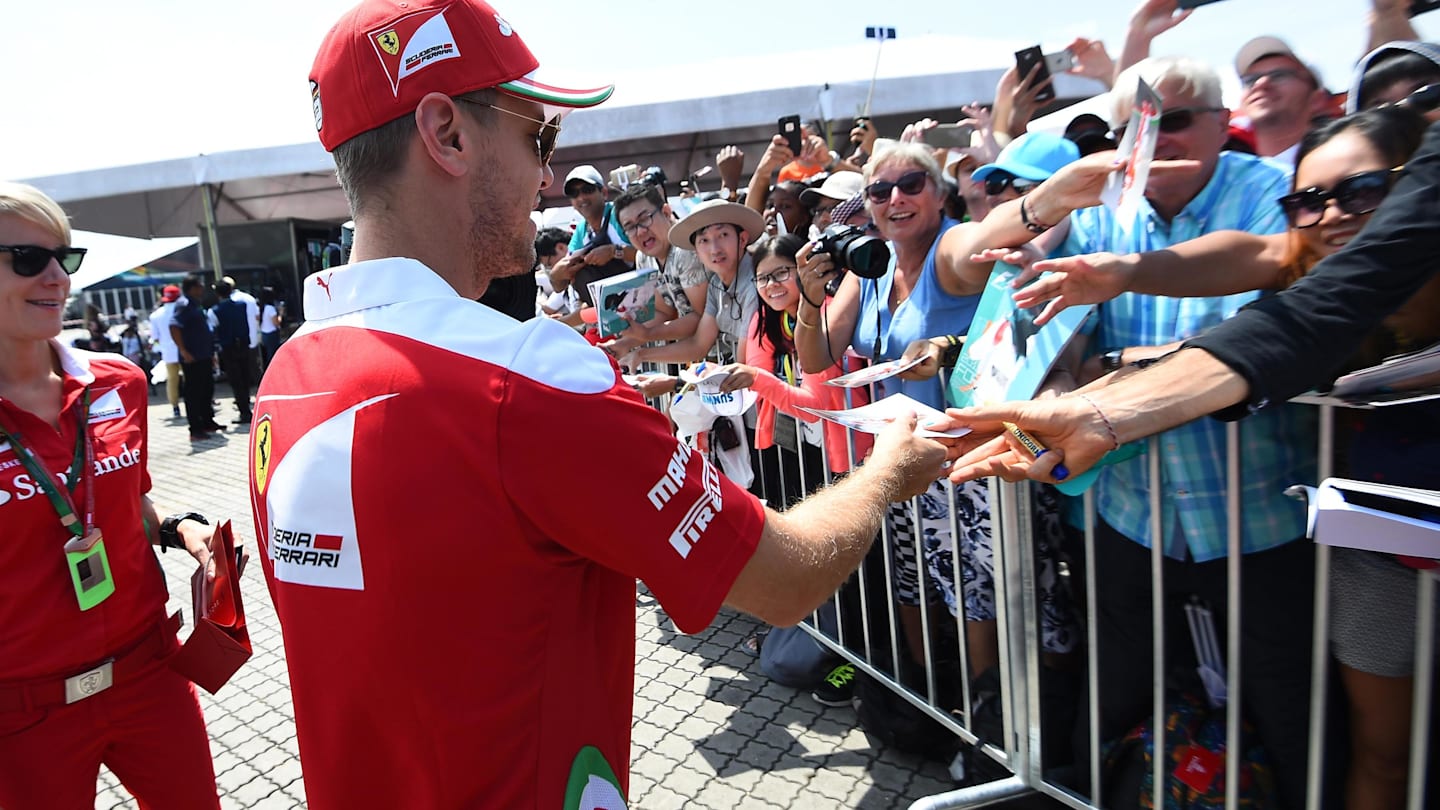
x: 1277, y: 446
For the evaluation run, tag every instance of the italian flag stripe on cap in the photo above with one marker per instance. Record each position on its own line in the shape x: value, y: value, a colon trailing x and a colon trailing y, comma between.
x: 530, y: 87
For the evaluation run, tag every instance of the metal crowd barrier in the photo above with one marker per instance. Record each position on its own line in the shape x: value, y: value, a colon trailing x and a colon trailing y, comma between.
x: 1019, y: 749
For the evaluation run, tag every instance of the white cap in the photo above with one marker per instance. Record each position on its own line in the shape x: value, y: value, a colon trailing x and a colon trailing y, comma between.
x: 1261, y: 47
x: 586, y: 174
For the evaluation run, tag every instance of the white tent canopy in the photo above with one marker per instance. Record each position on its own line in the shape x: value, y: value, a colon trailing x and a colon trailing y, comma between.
x: 730, y: 101
x: 109, y: 255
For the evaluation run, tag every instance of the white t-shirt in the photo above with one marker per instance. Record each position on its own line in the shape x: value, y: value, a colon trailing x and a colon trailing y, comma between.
x: 160, y: 331
x: 267, y: 323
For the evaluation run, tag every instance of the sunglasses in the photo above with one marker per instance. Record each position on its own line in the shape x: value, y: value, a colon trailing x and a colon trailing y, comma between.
x: 544, y: 139
x: 909, y: 183
x: 998, y: 181
x: 29, y: 260
x: 778, y: 277
x: 1356, y: 194
x: 1249, y: 80
x: 575, y: 190
x: 1174, y: 120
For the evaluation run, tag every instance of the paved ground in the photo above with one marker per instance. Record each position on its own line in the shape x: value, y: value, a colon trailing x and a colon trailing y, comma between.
x: 710, y: 730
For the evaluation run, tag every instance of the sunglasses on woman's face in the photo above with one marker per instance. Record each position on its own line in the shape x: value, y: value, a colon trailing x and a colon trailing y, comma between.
x: 998, y: 181
x: 31, y: 260
x: 1357, y: 194
x: 1174, y: 120
x: 909, y: 183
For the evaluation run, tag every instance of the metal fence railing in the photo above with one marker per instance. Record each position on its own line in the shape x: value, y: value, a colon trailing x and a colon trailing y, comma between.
x: 877, y: 634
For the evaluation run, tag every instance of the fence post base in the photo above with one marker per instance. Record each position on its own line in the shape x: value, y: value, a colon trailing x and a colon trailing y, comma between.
x: 975, y: 796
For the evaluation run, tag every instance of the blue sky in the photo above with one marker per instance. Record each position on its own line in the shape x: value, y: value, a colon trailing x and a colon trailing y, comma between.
x: 106, y: 84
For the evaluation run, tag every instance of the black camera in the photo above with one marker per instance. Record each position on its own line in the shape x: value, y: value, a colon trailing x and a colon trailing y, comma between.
x: 852, y: 251
x: 654, y: 176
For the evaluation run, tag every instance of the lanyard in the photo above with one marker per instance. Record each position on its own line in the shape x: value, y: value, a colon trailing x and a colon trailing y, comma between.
x: 82, y: 464
x: 787, y: 360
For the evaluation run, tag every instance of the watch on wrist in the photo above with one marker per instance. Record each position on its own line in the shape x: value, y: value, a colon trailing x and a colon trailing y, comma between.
x: 1112, y: 360
x: 170, y: 529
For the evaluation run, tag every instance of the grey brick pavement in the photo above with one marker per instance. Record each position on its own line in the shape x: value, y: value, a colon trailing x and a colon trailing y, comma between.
x: 710, y: 730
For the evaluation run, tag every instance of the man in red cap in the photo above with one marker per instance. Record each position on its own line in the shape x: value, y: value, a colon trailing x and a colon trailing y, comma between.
x: 458, y: 610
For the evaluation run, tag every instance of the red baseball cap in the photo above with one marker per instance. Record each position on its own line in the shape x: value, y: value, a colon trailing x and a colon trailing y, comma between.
x: 169, y: 293
x: 383, y: 56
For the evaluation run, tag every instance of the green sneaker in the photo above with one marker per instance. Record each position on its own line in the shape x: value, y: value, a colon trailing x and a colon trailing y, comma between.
x: 837, y: 688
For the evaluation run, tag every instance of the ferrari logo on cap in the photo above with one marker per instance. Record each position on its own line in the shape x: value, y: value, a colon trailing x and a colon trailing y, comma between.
x: 413, y: 43
x: 263, y: 447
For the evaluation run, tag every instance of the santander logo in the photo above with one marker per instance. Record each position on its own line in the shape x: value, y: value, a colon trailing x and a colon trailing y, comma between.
x: 22, y: 487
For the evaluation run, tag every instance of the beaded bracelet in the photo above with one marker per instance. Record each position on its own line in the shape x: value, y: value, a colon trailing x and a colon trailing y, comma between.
x: 1114, y: 437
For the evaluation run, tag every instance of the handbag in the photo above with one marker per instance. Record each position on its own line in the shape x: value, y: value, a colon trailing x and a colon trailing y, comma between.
x: 220, y: 642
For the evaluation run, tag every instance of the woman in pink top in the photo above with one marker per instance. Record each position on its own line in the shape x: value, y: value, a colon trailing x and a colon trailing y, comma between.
x: 768, y: 365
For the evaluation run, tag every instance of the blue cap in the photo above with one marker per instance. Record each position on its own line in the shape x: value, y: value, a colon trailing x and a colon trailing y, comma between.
x: 1032, y: 156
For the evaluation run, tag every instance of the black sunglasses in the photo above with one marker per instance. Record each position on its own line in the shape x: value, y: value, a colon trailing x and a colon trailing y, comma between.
x: 576, y: 189
x: 1174, y: 120
x: 1000, y: 180
x: 909, y: 183
x: 31, y: 260
x: 1356, y: 194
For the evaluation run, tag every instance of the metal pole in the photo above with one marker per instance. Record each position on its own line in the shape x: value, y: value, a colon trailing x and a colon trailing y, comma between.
x: 1320, y: 642
x: 1157, y: 620
x: 1092, y: 611
x: 214, y: 238
x: 869, y: 94
x: 1424, y: 675
x: 1232, y: 615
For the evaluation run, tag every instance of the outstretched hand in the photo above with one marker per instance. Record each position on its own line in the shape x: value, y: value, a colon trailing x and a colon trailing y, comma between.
x: 1154, y: 17
x: 916, y: 461
x: 1072, y: 281
x: 1068, y: 426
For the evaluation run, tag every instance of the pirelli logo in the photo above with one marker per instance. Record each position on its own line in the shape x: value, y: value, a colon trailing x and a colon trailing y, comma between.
x: 701, y: 515
x: 304, y: 548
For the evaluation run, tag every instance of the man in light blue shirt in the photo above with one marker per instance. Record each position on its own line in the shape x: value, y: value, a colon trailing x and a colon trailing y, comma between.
x: 1231, y: 192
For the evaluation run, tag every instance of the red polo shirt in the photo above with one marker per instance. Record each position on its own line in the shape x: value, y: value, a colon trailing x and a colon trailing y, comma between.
x: 457, y: 595
x: 42, y: 629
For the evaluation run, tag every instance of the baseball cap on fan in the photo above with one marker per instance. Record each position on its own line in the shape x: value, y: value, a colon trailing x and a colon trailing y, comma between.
x: 383, y: 56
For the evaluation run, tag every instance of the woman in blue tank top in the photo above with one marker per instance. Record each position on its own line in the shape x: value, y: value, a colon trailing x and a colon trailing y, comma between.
x: 931, y: 288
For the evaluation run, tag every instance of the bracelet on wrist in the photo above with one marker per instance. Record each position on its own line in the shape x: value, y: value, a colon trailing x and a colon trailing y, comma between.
x: 1031, y: 225
x: 951, y: 354
x: 1114, y: 437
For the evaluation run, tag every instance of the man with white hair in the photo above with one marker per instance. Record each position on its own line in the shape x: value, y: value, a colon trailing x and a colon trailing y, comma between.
x: 1230, y: 191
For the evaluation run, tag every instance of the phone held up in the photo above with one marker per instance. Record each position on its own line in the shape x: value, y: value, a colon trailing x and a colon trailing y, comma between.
x: 1028, y: 60
x: 1185, y: 4
x: 950, y: 136
x: 789, y: 126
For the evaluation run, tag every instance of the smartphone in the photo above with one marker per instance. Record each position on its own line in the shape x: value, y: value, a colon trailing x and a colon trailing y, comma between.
x: 625, y: 176
x: 1027, y: 60
x: 949, y: 135
x: 1184, y: 4
x: 1418, y: 7
x: 1059, y: 62
x: 789, y: 126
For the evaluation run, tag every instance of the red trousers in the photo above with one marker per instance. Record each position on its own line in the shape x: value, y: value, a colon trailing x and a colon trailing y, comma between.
x: 148, y: 731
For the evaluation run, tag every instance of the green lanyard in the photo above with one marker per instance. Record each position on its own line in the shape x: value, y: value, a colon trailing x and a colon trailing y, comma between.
x: 82, y: 464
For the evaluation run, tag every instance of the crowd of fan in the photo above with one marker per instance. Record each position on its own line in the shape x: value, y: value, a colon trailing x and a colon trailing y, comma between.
x: 1240, y: 202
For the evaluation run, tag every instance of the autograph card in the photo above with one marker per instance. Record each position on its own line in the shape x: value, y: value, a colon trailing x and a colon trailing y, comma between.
x: 876, y: 416
x: 875, y: 373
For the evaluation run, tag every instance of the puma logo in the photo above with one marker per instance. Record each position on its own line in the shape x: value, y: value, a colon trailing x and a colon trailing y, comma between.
x: 324, y: 284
